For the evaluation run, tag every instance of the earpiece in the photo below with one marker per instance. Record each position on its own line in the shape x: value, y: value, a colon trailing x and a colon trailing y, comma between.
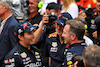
x: 40, y: 4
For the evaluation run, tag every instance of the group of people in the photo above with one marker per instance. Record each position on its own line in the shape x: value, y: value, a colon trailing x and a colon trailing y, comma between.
x: 29, y: 38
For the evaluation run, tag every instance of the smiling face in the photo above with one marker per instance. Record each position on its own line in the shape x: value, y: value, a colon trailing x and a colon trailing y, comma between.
x: 27, y: 39
x: 98, y: 5
x: 33, y: 6
x: 66, y: 34
x: 2, y: 9
x: 59, y: 28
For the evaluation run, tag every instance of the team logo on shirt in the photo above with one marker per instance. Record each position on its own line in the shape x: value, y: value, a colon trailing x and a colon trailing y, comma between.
x: 52, y: 35
x: 69, y: 56
x: 37, y: 55
x: 27, y: 60
x: 10, y: 60
x: 54, y: 44
x: 70, y: 64
x: 54, y: 47
x: 23, y: 55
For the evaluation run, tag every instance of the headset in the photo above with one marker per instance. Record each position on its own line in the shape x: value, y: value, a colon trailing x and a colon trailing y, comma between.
x: 40, y: 4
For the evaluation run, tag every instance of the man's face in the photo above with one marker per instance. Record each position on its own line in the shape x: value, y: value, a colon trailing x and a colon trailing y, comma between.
x: 33, y: 6
x: 59, y: 28
x: 28, y: 38
x: 66, y: 35
x: 2, y: 10
x: 98, y: 5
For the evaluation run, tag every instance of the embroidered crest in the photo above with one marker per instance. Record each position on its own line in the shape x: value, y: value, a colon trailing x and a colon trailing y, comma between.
x: 36, y: 53
x: 54, y: 44
x: 10, y: 60
x: 52, y: 35
x: 23, y: 55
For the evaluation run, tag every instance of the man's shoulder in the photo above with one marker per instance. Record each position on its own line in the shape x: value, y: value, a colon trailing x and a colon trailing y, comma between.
x: 78, y: 48
x: 12, y: 21
x: 13, y: 56
x: 36, y: 19
x: 13, y: 51
x: 17, y: 51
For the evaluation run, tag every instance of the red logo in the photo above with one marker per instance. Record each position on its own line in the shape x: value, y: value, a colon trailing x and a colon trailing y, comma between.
x: 24, y: 25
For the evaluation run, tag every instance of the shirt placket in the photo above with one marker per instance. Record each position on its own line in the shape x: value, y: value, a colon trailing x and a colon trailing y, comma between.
x: 1, y: 27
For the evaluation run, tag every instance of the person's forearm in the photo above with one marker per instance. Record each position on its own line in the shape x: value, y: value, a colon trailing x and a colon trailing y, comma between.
x: 38, y: 33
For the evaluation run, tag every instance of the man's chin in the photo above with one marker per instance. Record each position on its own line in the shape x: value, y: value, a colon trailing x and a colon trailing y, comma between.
x: 59, y: 33
x: 65, y: 42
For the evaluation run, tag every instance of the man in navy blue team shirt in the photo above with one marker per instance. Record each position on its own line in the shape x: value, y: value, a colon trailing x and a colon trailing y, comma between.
x: 73, y: 33
x: 54, y: 43
x: 24, y: 54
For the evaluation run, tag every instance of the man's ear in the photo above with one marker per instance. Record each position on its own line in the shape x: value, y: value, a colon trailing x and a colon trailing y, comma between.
x: 73, y: 36
x: 6, y: 6
x: 20, y: 37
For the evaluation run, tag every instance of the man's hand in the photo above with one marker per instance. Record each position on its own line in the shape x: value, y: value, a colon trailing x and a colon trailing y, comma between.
x: 45, y: 18
x: 94, y: 34
x: 75, y: 64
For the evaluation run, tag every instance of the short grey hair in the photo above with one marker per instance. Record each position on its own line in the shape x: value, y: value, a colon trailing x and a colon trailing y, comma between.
x: 76, y: 27
x: 7, y: 2
x: 91, y: 55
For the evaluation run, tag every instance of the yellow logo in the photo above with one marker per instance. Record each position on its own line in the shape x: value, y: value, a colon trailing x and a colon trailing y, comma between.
x: 52, y: 35
x: 66, y: 18
x: 95, y: 13
x: 69, y: 62
x: 36, y: 53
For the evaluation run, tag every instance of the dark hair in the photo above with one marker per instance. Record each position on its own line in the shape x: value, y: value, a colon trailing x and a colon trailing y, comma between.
x: 54, y: 6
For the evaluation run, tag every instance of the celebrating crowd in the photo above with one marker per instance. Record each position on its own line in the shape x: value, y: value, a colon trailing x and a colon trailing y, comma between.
x: 49, y: 33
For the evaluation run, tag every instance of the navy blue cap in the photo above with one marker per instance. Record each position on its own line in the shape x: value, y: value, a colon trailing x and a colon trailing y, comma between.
x: 62, y: 18
x: 23, y: 27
